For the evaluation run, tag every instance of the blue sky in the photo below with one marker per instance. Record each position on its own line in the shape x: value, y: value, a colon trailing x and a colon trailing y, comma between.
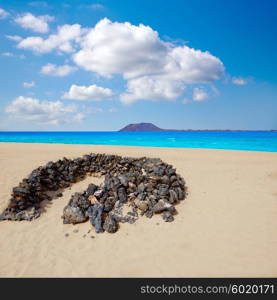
x: 99, y: 65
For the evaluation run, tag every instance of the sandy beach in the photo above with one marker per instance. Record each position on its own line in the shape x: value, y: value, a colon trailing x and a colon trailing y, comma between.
x: 225, y: 228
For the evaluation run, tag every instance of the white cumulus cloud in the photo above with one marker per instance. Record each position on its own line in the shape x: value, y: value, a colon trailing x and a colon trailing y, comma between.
x: 153, y: 68
x: 59, y: 71
x: 3, y: 13
x: 34, y: 23
x: 28, y: 84
x: 199, y: 94
x: 91, y: 93
x: 152, y: 88
x: 64, y: 40
x: 41, y: 112
x: 193, y: 66
x: 122, y: 48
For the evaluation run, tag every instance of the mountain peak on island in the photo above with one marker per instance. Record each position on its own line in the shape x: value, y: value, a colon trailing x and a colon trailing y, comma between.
x: 152, y: 127
x: 141, y: 127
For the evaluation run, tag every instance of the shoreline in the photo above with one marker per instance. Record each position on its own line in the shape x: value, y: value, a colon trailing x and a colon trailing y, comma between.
x: 226, y: 227
x: 133, y: 146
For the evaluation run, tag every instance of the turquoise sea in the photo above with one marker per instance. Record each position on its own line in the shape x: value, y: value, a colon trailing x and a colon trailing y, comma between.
x: 243, y: 140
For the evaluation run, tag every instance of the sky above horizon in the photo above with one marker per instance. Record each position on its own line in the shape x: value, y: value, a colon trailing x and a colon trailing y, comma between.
x: 100, y: 65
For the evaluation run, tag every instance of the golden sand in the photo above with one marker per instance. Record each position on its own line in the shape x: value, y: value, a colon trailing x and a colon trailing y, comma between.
x: 226, y: 227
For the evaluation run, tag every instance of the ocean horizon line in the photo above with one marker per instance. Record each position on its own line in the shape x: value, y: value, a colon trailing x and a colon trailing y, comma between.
x: 164, y: 130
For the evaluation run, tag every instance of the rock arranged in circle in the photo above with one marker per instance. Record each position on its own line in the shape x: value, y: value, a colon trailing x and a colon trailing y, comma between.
x: 148, y: 185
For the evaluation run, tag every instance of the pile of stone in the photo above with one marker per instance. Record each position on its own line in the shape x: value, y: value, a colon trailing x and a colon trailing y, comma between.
x: 147, y: 185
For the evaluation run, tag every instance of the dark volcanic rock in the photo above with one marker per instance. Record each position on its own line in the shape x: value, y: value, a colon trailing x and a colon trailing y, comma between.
x: 161, y: 206
x: 2, y: 217
x: 73, y: 215
x: 148, y: 185
x: 92, y: 188
x: 95, y: 215
x: 167, y: 216
x: 122, y: 196
x: 110, y: 225
x: 75, y: 211
x: 173, y: 197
